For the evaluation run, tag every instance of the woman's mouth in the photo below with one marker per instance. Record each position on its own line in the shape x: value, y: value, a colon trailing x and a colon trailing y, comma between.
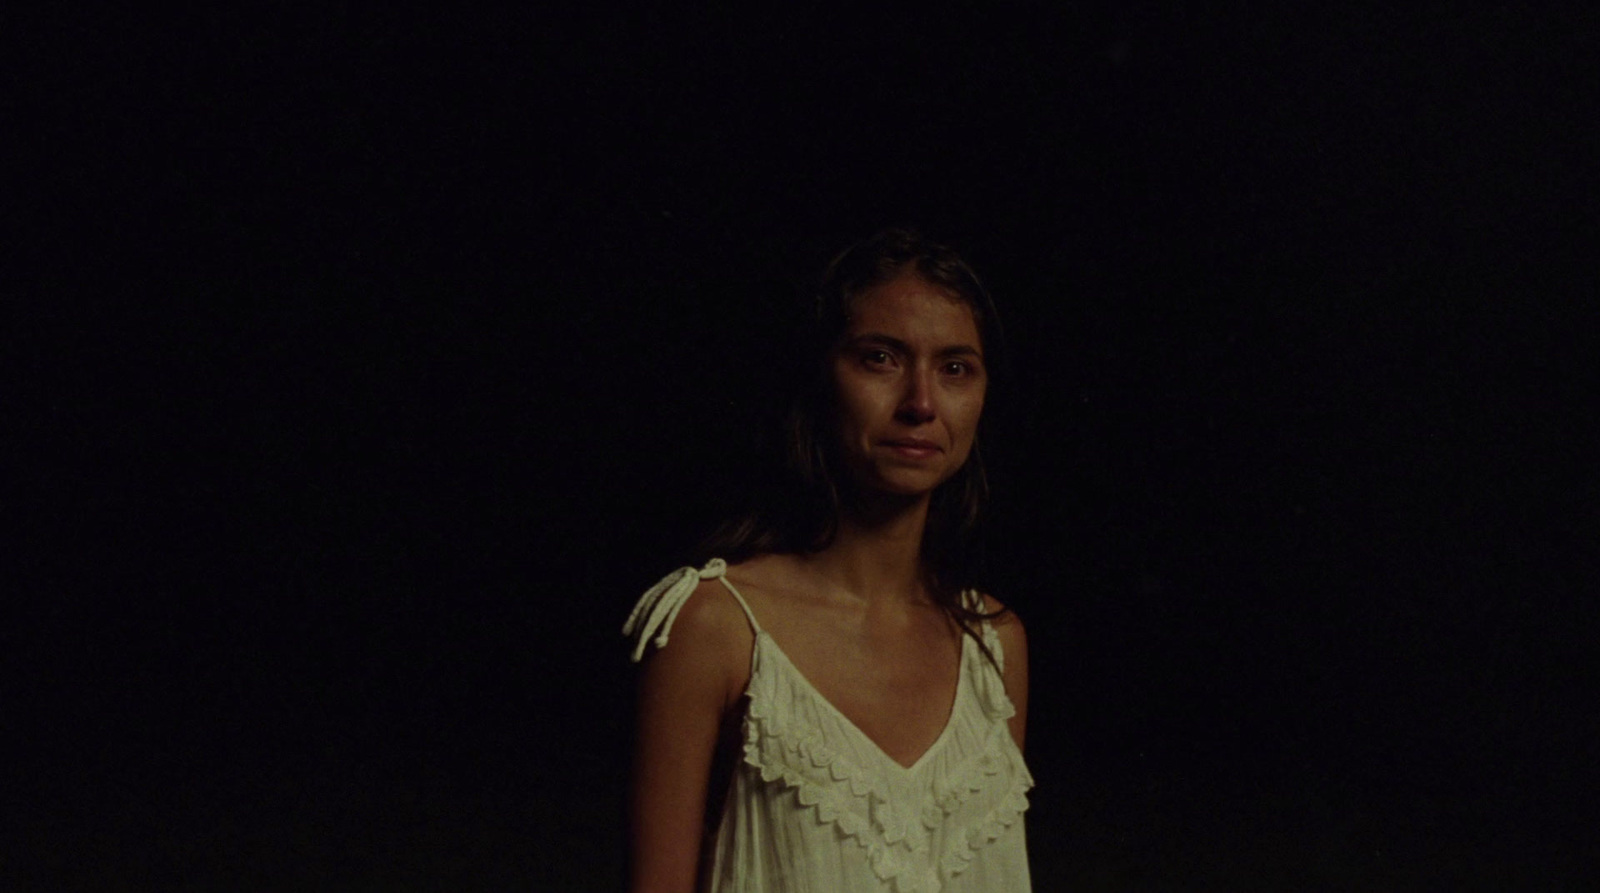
x: 913, y: 449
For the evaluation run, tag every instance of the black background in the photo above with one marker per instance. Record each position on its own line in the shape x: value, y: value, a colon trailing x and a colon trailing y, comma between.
x: 372, y: 363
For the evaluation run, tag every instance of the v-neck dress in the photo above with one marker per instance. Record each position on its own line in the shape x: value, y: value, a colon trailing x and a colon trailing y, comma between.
x: 815, y: 806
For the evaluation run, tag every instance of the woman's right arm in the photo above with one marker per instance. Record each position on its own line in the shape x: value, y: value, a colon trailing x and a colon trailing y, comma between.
x: 684, y: 689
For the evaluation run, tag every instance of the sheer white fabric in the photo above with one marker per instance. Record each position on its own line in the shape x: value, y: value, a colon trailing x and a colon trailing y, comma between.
x: 816, y: 807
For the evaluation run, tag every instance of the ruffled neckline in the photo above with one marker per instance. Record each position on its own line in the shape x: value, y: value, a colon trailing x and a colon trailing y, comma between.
x: 889, y: 809
x: 854, y: 729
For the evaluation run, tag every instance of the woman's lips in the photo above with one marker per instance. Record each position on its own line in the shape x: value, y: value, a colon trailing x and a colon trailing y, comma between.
x: 912, y: 449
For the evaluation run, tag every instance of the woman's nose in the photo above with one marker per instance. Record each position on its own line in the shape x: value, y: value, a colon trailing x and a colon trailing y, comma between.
x: 916, y: 404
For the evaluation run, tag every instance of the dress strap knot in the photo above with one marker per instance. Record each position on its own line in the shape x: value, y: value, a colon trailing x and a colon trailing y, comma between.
x: 660, y: 604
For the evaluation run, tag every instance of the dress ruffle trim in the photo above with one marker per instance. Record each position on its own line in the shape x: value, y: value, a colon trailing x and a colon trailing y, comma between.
x: 844, y: 795
x: 991, y: 688
x: 1002, y: 817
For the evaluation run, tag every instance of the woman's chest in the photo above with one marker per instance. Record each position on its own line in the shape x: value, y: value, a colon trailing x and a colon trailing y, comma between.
x: 897, y: 690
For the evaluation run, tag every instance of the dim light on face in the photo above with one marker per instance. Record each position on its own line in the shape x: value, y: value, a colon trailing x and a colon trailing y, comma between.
x: 909, y: 385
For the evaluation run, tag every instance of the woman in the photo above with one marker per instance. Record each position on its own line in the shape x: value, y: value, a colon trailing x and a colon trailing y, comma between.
x: 838, y: 709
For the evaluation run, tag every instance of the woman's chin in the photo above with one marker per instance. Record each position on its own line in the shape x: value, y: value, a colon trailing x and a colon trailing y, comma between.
x: 901, y: 485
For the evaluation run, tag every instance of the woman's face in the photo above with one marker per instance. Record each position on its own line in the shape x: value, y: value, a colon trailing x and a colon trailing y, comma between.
x: 909, y: 384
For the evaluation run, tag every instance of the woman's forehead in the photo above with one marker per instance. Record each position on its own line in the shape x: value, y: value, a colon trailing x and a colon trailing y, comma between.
x: 909, y: 305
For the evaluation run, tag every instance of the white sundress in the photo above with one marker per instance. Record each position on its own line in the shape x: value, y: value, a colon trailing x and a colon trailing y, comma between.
x: 816, y: 807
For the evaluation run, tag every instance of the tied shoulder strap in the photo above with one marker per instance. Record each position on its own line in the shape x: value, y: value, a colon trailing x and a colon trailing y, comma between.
x: 989, y: 683
x: 973, y: 600
x: 660, y: 604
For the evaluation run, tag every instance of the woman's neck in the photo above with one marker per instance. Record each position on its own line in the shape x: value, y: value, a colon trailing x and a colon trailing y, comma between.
x: 876, y: 554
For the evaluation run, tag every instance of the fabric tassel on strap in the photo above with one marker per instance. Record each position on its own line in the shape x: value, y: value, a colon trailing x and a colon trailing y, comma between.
x: 659, y: 606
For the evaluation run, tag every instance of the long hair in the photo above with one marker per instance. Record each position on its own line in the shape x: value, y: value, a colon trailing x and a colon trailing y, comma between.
x: 797, y: 508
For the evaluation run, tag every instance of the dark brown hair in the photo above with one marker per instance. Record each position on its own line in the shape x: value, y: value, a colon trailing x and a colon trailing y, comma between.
x: 797, y: 510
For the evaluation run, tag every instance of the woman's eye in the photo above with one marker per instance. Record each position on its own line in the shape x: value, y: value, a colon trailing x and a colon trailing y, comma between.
x: 957, y: 368
x: 876, y: 357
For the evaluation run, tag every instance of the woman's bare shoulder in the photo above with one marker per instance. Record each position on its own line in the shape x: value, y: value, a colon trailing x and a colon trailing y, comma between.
x: 708, y: 646
x: 710, y: 617
x: 992, y: 605
x: 706, y: 620
x: 1007, y: 625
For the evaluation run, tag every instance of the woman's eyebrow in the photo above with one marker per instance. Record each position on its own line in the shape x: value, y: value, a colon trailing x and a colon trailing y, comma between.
x: 953, y: 350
